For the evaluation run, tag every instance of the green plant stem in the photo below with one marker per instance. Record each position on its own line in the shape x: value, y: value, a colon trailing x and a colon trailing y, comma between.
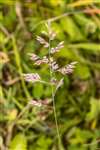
x: 53, y: 94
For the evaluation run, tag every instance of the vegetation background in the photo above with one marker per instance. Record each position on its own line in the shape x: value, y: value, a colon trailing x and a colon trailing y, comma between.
x: 77, y: 23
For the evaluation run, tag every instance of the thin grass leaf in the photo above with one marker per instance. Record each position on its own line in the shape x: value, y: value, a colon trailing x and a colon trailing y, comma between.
x: 83, y: 3
x: 90, y: 47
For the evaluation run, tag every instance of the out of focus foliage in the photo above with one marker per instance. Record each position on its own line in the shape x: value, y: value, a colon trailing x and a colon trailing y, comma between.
x: 77, y: 101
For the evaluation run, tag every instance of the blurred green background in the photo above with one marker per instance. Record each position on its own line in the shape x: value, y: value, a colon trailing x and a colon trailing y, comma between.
x: 77, y: 101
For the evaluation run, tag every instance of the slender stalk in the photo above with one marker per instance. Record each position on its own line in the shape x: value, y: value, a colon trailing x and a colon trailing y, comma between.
x: 53, y: 93
x: 44, y: 82
x: 68, y: 13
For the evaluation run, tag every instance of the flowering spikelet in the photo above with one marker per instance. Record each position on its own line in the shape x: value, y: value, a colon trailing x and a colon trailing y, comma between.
x: 57, y: 48
x: 36, y: 103
x: 52, y: 35
x: 53, y: 64
x: 68, y: 69
x: 53, y: 80
x: 32, y: 77
x: 41, y: 61
x: 45, y: 60
x: 39, y: 103
x: 38, y: 60
x: 33, y: 56
x: 42, y: 41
